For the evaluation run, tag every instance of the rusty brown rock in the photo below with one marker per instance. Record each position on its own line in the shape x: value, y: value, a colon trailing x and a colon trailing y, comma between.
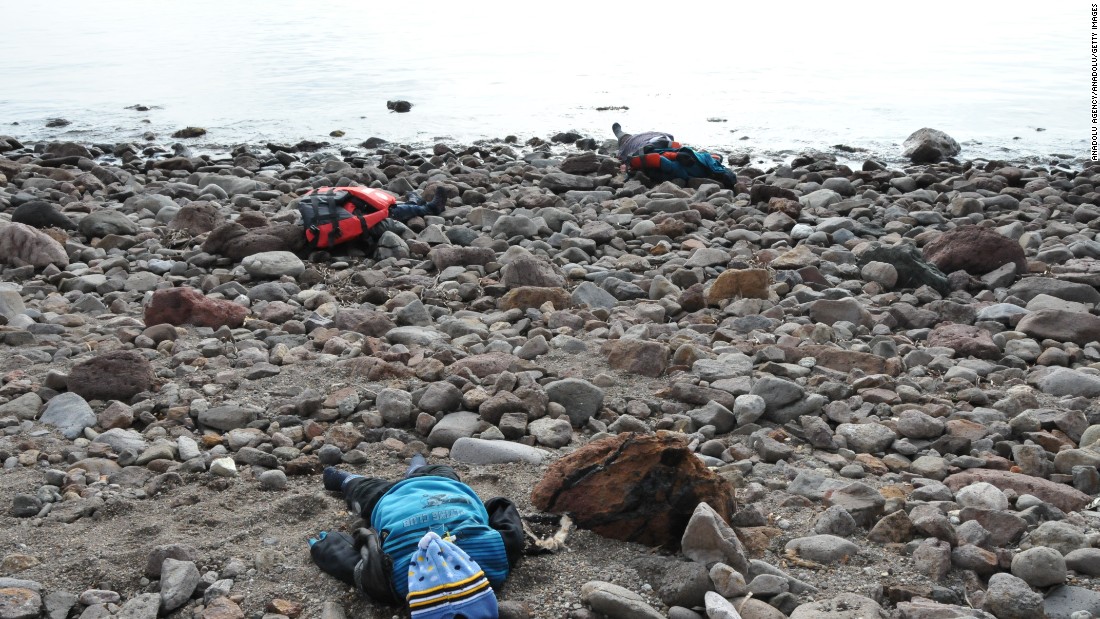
x: 739, y: 283
x: 182, y: 306
x: 222, y: 608
x: 116, y: 375
x: 642, y: 357
x: 534, y: 296
x: 1065, y: 498
x: 634, y: 488
x: 975, y: 250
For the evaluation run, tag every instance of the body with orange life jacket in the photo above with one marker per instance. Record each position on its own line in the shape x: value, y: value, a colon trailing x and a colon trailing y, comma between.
x: 336, y: 215
x: 659, y: 156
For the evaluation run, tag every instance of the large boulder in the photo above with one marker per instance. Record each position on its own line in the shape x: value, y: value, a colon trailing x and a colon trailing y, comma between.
x: 182, y: 306
x: 22, y: 245
x: 116, y: 375
x: 634, y: 488
x: 929, y: 146
x: 975, y: 250
x: 105, y: 222
x: 236, y: 242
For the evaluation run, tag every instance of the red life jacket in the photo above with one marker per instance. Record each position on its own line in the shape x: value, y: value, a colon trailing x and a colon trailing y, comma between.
x: 335, y: 215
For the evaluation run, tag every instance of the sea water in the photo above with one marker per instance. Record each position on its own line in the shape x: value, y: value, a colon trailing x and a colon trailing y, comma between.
x: 758, y: 78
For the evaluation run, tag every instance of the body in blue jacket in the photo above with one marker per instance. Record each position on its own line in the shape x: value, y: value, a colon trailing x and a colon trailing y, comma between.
x: 400, y: 513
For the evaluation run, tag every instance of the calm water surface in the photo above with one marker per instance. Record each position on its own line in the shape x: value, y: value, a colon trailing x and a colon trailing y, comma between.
x: 1007, y: 83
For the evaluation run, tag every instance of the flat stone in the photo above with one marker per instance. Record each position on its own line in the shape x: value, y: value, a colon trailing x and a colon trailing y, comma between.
x: 478, y: 451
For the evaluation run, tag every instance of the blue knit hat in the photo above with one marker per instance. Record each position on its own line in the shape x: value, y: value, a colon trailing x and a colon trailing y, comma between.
x: 445, y: 583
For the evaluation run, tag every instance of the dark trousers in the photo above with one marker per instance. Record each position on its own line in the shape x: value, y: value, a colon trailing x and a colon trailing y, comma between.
x: 362, y: 493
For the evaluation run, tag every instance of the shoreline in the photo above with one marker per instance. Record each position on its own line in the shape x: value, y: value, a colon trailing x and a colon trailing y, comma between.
x: 895, y: 367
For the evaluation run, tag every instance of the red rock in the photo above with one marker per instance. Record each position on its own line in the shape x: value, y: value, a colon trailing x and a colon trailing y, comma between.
x: 966, y: 340
x: 975, y: 250
x: 117, y: 375
x: 286, y: 608
x: 634, y: 488
x: 739, y: 283
x: 1065, y: 498
x: 182, y: 306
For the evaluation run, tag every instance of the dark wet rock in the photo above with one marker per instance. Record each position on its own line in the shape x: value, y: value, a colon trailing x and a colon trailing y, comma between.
x: 913, y: 270
x: 399, y: 105
x: 39, y: 214
x: 105, y: 222
x: 183, y: 306
x: 635, y: 488
x: 929, y: 146
x: 116, y: 375
x: 189, y: 132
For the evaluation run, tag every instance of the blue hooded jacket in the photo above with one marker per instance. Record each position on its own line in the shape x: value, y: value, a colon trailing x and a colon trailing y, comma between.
x: 414, y: 506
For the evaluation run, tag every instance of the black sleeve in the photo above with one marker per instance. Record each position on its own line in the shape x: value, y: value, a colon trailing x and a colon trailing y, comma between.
x: 336, y: 555
x: 504, y: 517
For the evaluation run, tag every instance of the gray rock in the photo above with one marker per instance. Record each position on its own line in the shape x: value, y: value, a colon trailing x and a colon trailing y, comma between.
x: 825, y: 549
x: 719, y: 607
x: 1062, y: 602
x: 982, y: 495
x: 226, y: 418
x: 273, y: 264
x: 1064, y: 381
x: 69, y: 413
x: 1008, y: 597
x: 107, y: 221
x: 1084, y: 561
x: 24, y: 407
x: 835, y: 521
x: 867, y: 437
x: 273, y: 480
x: 709, y: 540
x: 550, y: 432
x: 440, y: 397
x: 581, y: 399
x: 1061, y: 536
x: 178, y: 580
x: 59, y: 603
x: 1040, y: 567
x: 395, y: 406
x: 121, y: 440
x: 452, y: 427
x: 616, y: 602
x: 592, y: 295
x: 928, y: 145
x: 843, y: 606
x: 479, y: 451
x: 11, y: 303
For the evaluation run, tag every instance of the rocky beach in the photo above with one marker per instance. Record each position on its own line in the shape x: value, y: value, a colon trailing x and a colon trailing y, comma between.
x: 880, y: 379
